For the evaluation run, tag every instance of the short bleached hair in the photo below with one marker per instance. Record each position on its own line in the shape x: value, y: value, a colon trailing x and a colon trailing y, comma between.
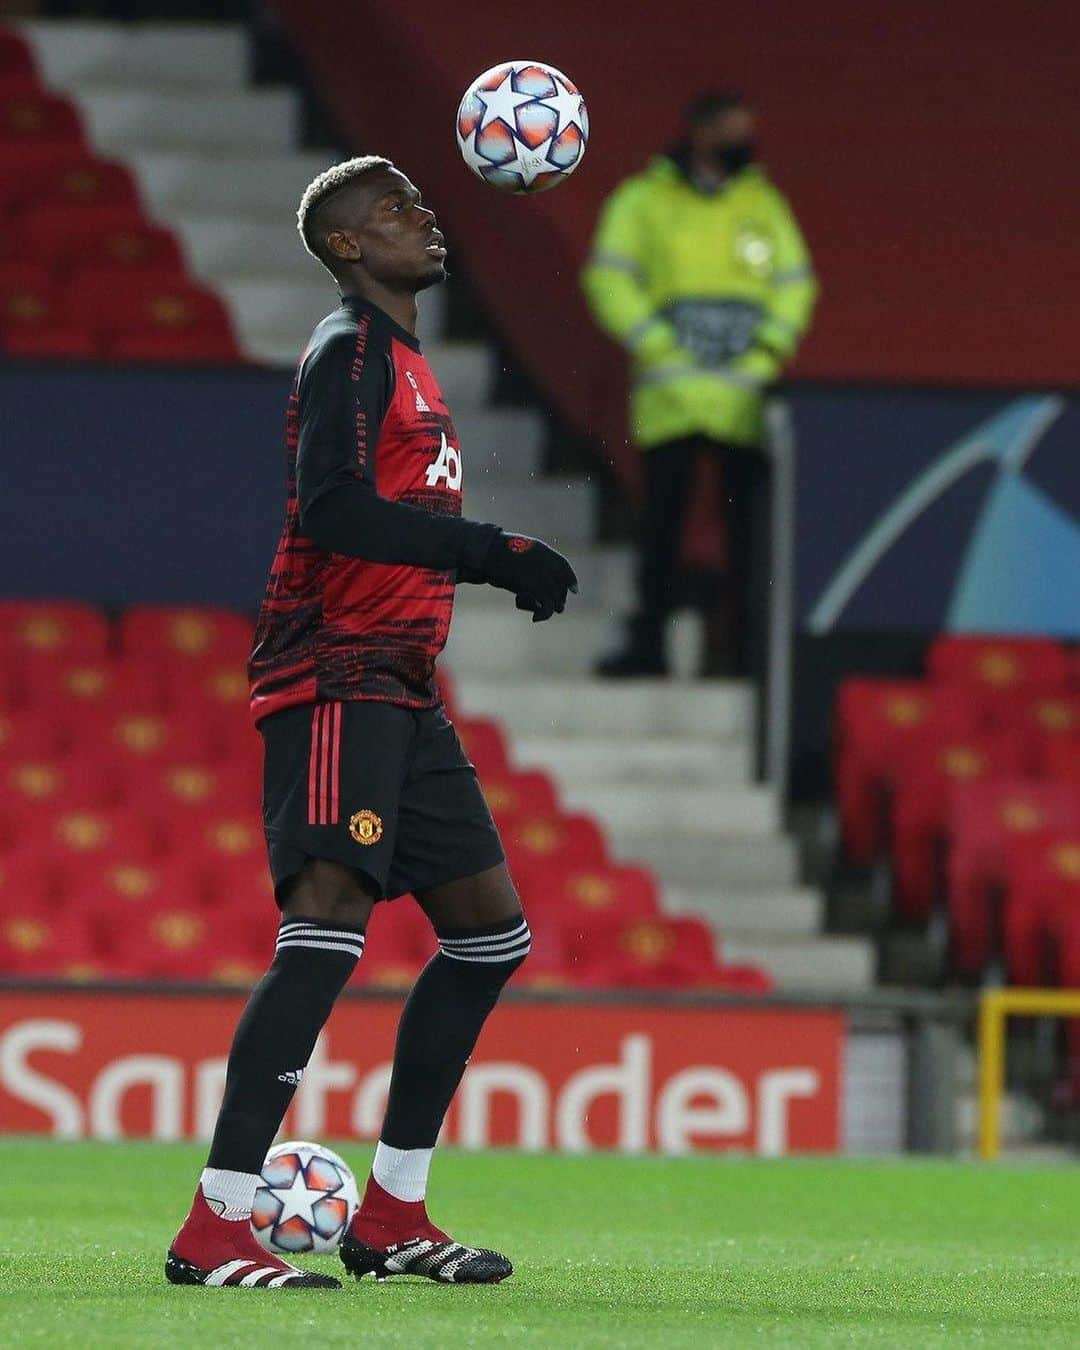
x: 323, y: 187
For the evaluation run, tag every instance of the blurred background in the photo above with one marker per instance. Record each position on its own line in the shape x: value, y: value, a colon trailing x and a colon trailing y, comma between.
x: 804, y: 875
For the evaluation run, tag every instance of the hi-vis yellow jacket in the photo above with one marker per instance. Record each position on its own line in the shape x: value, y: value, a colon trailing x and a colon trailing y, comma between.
x: 710, y: 294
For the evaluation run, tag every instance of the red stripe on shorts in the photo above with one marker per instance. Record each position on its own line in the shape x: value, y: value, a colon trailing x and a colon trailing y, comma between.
x: 313, y: 766
x: 324, y: 756
x: 335, y: 761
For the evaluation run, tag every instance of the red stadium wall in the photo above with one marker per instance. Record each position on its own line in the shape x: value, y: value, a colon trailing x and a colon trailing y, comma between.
x: 927, y: 148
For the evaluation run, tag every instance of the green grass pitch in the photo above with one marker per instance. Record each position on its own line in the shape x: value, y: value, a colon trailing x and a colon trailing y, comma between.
x: 608, y: 1252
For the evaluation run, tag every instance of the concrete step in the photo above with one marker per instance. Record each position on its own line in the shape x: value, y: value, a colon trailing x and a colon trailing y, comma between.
x: 268, y: 186
x: 236, y: 243
x: 276, y: 315
x: 498, y: 445
x: 119, y: 118
x: 787, y: 910
x: 659, y: 761
x: 560, y: 511
x: 830, y: 965
x: 73, y: 52
x: 705, y: 812
x: 700, y: 862
x: 487, y: 640
x: 709, y: 710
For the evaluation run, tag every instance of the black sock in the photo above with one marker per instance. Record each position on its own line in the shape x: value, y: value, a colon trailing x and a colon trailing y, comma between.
x: 276, y: 1035
x: 440, y: 1024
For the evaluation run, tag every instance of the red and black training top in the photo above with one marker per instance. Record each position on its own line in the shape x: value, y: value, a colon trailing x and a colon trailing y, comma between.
x: 361, y: 590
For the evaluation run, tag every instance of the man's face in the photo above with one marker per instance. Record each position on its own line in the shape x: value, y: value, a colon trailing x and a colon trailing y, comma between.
x: 709, y: 139
x: 394, y: 237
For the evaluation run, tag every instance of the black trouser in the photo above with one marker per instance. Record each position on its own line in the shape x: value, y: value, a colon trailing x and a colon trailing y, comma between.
x: 735, y: 600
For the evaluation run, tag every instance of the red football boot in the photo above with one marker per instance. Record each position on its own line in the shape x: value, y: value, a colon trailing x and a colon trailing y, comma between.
x: 225, y: 1253
x: 395, y: 1237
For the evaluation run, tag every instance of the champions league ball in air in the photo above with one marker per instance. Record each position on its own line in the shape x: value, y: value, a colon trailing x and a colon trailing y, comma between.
x: 306, y: 1201
x: 522, y: 127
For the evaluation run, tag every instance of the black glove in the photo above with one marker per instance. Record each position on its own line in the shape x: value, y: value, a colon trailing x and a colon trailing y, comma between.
x: 538, y: 576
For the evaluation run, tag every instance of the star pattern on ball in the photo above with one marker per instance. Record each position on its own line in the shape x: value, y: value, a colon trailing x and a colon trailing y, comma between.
x: 501, y: 103
x: 297, y: 1200
x: 567, y: 106
x: 528, y: 163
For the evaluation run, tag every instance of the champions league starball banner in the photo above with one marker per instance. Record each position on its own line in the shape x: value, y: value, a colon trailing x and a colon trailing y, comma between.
x: 927, y: 511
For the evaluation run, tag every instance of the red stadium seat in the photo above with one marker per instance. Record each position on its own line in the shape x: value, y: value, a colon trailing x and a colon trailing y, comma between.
x: 1060, y: 756
x: 1045, y: 720
x: 46, y: 783
x: 80, y: 696
x: 36, y: 943
x: 82, y: 835
x: 183, y: 942
x: 55, y: 343
x: 999, y: 664
x: 213, y: 838
x: 400, y: 942
x: 140, y: 737
x: 651, y: 953
x: 485, y: 745
x: 34, y: 629
x: 930, y: 766
x: 554, y: 894
x: 65, y: 235
x: 27, y: 884
x: 1042, y: 900
x: 568, y: 840
x: 178, y: 639
x: 984, y: 818
x: 130, y: 304
x: 184, y: 786
x: 72, y: 178
x: 514, y: 793
x: 210, y: 348
x: 875, y: 720
x: 16, y: 59
x: 29, y: 735
x: 39, y: 116
x: 27, y: 168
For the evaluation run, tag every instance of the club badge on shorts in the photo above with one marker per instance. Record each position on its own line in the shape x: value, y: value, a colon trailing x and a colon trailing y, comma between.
x: 365, y: 827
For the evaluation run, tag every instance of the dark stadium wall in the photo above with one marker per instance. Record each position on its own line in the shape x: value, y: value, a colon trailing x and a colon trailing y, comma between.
x: 927, y: 149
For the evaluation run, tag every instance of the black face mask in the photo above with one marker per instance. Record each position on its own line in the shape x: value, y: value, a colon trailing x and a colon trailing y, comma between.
x: 731, y: 158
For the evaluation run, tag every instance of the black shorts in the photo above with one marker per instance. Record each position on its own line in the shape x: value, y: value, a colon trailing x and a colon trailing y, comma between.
x: 387, y: 791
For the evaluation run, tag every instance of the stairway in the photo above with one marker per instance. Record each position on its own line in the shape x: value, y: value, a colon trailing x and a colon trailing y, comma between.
x: 665, y: 766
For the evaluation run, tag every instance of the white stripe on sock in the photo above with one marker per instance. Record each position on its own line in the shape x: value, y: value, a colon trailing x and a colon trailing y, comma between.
x: 323, y: 946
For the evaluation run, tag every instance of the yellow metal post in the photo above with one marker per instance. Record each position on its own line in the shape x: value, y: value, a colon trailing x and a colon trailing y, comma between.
x: 994, y: 1007
x: 991, y: 1071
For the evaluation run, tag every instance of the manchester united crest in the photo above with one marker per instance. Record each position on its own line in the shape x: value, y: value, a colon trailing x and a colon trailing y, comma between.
x: 365, y: 827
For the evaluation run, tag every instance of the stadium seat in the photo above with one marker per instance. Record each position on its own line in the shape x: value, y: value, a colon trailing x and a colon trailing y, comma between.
x: 513, y: 793
x: 79, y: 695
x: 485, y: 745
x: 36, y: 943
x: 31, y: 629
x: 926, y: 771
x: 1060, y: 758
x: 181, y: 942
x: 135, y: 737
x: 43, y: 784
x: 563, y: 895
x: 82, y: 835
x: 571, y: 840
x: 66, y: 236
x: 999, y: 663
x: 210, y: 838
x: 16, y: 60
x: 655, y: 952
x: 132, y: 305
x: 875, y: 720
x: 1042, y: 899
x: 38, y: 116
x: 57, y: 342
x: 66, y: 176
x: 984, y: 817
x: 186, y: 786
x: 400, y: 942
x: 27, y: 883
x: 29, y: 735
x: 178, y: 639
